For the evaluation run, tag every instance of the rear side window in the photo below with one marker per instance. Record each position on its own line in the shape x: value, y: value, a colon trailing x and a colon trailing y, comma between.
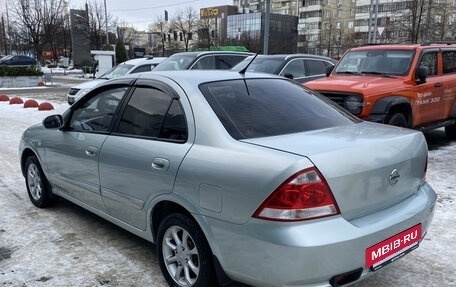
x: 315, y: 67
x: 143, y: 68
x: 294, y: 68
x: 263, y: 108
x: 153, y: 113
x: 219, y: 62
x: 449, y: 62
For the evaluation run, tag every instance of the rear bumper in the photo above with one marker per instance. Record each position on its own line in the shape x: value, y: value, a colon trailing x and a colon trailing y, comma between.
x: 265, y: 253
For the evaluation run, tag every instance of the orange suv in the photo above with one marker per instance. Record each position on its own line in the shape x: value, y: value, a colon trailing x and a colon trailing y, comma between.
x: 405, y: 85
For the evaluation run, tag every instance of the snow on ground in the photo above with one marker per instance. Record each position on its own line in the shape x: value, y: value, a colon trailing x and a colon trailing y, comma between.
x: 67, y: 246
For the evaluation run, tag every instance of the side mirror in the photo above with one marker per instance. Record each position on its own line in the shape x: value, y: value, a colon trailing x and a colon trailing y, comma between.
x: 288, y: 75
x: 53, y: 122
x: 329, y: 70
x: 422, y: 74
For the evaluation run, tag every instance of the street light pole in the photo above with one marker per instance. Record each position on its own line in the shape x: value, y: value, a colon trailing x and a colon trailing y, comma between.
x: 106, y: 20
x: 266, y: 28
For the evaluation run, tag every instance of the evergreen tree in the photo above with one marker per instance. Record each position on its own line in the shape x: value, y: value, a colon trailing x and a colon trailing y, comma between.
x: 121, y: 52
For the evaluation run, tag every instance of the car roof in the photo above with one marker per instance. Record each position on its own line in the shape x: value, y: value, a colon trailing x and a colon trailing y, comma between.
x: 197, y: 77
x: 202, y: 53
x: 139, y: 61
x: 293, y: 56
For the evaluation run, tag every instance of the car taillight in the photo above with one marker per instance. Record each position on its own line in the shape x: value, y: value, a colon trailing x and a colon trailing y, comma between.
x: 305, y: 195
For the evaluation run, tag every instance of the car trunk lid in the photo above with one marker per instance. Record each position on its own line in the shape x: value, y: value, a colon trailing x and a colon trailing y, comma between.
x: 367, y: 166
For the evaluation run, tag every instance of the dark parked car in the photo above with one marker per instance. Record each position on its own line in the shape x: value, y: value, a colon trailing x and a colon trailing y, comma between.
x: 299, y: 67
x: 17, y: 60
x: 246, y: 177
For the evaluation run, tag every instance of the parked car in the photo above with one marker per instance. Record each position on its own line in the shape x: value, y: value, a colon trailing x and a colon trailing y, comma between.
x: 244, y: 177
x: 128, y: 67
x: 299, y: 67
x: 404, y: 85
x: 17, y: 60
x: 203, y: 60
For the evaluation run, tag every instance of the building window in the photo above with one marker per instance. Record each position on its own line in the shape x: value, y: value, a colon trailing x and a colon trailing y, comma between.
x: 351, y: 25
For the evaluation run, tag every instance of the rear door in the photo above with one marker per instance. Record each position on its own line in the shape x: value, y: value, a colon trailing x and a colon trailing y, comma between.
x: 141, y: 159
x: 428, y: 100
x: 449, y: 82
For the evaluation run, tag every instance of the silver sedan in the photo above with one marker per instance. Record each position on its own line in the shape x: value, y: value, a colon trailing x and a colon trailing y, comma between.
x: 236, y: 177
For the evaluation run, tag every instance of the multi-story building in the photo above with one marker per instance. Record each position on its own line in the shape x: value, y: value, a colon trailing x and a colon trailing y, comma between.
x: 325, y: 26
x: 329, y: 27
x: 248, y: 30
x: 284, y: 7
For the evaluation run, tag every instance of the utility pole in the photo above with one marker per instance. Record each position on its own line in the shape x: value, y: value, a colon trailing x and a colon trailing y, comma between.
x: 373, y: 12
x: 106, y: 20
x: 428, y: 22
x: 266, y: 28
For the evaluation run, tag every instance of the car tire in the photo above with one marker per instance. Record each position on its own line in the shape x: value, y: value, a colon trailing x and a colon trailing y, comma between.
x: 398, y: 119
x: 184, y: 255
x: 38, y: 187
x: 450, y: 132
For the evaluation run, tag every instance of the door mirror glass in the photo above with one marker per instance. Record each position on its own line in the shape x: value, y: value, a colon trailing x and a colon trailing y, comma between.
x: 53, y: 122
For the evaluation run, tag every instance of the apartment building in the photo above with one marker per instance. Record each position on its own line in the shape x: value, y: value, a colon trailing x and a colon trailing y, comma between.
x: 329, y: 27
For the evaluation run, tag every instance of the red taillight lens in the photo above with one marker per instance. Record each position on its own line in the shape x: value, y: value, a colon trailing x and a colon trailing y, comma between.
x: 306, y: 195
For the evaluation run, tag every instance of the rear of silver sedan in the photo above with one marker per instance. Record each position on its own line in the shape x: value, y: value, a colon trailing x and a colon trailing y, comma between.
x: 383, y: 210
x: 372, y: 204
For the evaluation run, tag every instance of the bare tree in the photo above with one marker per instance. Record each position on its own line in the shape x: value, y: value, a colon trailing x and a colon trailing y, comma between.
x: 441, y: 21
x: 161, y: 28
x: 97, y: 23
x: 185, y: 24
x: 409, y: 21
x: 126, y: 32
x: 205, y: 37
x: 36, y: 22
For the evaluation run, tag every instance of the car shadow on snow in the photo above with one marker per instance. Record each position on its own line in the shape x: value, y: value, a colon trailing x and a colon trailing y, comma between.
x: 436, y: 139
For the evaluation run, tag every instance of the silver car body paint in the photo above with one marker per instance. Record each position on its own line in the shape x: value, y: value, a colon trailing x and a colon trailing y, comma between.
x: 222, y: 181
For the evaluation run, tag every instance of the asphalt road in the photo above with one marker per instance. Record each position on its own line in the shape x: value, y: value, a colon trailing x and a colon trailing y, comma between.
x: 68, y: 246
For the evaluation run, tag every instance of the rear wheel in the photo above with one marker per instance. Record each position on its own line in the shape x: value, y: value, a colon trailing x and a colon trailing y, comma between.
x: 184, y: 254
x: 398, y: 119
x: 38, y: 187
x: 450, y: 132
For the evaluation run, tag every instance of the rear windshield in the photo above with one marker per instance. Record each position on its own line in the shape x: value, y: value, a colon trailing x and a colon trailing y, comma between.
x: 176, y: 62
x: 269, y: 107
x: 265, y: 65
x: 118, y: 71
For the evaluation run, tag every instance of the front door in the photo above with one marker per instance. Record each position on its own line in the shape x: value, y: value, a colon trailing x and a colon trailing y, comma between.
x: 72, y: 154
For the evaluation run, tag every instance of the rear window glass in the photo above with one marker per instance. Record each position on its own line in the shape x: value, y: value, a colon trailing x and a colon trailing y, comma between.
x: 269, y: 107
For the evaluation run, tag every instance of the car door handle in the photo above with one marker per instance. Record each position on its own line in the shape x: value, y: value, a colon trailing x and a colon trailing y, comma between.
x: 438, y: 85
x: 91, y: 151
x: 160, y: 164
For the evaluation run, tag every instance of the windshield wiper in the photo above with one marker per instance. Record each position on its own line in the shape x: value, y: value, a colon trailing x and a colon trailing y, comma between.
x: 348, y: 72
x: 377, y: 73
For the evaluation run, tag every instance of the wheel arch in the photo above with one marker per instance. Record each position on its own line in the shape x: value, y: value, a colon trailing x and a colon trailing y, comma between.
x: 166, y: 207
x: 26, y: 153
x: 390, y: 105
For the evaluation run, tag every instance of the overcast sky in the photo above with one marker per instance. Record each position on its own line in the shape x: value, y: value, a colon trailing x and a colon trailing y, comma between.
x: 141, y: 13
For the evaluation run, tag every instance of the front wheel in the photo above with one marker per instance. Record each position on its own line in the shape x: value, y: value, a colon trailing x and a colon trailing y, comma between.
x: 398, y: 119
x: 184, y: 254
x: 38, y: 187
